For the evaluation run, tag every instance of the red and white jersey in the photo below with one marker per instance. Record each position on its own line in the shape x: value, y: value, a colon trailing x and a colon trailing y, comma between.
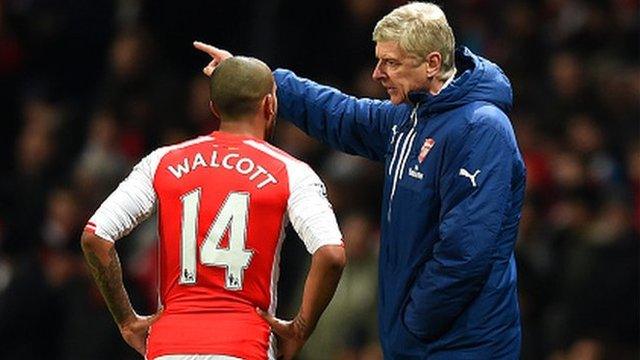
x: 223, y: 202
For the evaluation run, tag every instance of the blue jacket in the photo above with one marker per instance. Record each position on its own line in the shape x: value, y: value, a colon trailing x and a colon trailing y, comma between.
x: 454, y: 186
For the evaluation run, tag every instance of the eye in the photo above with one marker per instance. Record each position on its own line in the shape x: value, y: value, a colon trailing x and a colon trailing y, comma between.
x: 392, y: 63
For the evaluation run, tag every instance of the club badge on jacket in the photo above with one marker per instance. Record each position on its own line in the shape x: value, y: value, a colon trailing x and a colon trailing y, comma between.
x: 426, y: 147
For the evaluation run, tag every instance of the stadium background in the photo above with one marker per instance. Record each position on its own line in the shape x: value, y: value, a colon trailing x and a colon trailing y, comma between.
x: 89, y: 87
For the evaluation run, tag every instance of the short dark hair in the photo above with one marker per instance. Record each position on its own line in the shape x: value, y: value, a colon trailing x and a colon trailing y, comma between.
x: 238, y: 84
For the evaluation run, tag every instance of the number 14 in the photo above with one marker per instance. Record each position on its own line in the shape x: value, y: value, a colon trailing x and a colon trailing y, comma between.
x: 232, y: 216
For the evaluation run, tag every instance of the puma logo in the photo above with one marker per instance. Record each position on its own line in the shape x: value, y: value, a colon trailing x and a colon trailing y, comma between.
x: 467, y: 174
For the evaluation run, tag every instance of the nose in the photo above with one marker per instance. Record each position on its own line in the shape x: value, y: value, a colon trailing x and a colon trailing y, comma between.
x: 378, y: 74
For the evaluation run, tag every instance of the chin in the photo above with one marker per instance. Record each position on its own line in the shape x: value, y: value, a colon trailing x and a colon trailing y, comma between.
x: 396, y: 100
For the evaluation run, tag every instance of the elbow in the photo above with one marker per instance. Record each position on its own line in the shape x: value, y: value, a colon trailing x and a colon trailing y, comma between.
x: 424, y: 328
x: 339, y: 260
x: 91, y: 243
x: 87, y: 241
x: 334, y: 257
x: 414, y: 329
x: 420, y: 332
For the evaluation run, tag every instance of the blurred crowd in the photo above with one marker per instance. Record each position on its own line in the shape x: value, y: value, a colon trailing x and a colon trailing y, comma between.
x: 89, y: 87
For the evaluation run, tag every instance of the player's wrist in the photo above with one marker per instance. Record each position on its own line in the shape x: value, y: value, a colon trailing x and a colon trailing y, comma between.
x: 301, y: 326
x: 127, y: 321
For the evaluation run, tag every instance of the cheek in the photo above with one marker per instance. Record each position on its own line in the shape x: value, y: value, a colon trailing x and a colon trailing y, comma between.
x: 396, y: 79
x: 403, y: 80
x: 402, y: 83
x: 418, y: 80
x: 407, y: 84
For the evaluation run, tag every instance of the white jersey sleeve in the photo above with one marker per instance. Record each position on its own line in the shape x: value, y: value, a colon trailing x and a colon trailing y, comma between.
x: 309, y: 209
x: 131, y: 203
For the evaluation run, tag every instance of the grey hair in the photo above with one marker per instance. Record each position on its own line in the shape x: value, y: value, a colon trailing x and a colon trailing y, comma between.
x: 420, y: 28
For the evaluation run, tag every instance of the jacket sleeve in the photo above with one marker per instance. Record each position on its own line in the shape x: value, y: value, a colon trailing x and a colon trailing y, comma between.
x: 355, y: 126
x: 472, y: 213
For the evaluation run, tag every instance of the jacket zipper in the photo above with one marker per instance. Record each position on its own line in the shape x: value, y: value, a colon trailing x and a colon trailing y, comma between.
x: 405, y: 150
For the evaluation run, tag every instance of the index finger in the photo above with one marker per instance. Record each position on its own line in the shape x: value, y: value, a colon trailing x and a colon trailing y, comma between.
x: 209, y: 49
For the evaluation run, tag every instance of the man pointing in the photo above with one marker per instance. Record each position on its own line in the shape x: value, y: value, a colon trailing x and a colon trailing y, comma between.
x: 454, y: 185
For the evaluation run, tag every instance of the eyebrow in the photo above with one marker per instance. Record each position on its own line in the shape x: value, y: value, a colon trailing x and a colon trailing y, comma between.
x: 387, y: 57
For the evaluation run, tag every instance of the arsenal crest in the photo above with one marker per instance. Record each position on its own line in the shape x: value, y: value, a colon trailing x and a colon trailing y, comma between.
x: 424, y: 150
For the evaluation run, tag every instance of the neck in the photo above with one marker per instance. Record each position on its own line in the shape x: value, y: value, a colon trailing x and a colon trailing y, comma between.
x: 436, y: 86
x: 242, y: 127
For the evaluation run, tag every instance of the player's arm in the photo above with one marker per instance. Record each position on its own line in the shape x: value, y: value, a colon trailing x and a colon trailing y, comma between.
x: 326, y: 268
x: 473, y: 212
x: 321, y: 283
x: 124, y: 209
x: 313, y: 219
x: 103, y: 261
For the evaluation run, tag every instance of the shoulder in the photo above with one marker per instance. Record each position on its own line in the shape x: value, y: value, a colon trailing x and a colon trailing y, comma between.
x: 273, y: 152
x: 161, y: 152
x: 296, y: 169
x: 179, y: 147
x: 480, y: 127
x: 151, y: 162
x: 489, y: 118
x: 487, y: 114
x: 481, y: 119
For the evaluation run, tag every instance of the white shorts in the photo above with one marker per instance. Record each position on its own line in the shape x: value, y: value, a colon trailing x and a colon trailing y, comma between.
x: 196, y: 357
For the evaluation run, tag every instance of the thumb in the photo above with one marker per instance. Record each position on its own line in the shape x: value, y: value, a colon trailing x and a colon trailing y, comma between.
x: 153, y: 318
x: 276, y: 324
x: 266, y: 316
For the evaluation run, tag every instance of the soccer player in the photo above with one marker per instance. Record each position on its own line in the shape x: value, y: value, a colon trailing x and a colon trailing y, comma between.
x: 454, y: 185
x: 223, y: 202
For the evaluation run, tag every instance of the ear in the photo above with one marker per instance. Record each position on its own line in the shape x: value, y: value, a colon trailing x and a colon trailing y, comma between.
x: 214, y: 109
x: 268, y: 106
x: 217, y: 119
x: 434, y: 63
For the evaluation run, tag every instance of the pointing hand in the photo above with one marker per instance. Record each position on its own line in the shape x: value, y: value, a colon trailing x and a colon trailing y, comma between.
x: 216, y: 54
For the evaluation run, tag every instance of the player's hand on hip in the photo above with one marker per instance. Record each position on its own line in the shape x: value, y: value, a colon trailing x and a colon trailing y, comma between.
x: 292, y: 334
x: 216, y: 54
x: 135, y: 331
